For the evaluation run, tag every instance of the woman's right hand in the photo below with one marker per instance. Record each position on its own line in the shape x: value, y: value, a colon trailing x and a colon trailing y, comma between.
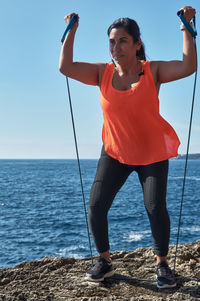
x: 188, y: 12
x: 68, y: 19
x: 88, y: 73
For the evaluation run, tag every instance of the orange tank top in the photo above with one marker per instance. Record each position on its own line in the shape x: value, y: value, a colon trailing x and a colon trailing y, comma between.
x: 134, y: 132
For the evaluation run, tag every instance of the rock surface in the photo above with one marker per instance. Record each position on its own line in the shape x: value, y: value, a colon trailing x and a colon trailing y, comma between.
x: 59, y: 279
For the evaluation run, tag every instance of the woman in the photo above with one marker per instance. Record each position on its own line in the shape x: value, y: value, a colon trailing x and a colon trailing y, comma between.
x: 135, y: 136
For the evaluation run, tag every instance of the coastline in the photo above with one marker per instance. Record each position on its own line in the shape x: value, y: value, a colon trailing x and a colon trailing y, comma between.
x: 59, y: 278
x: 190, y: 157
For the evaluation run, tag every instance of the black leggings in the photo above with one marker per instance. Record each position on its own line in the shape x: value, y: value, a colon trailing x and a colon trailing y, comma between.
x: 110, y: 176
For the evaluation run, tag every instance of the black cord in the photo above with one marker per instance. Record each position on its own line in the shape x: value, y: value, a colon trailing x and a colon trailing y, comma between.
x: 79, y: 167
x: 186, y: 160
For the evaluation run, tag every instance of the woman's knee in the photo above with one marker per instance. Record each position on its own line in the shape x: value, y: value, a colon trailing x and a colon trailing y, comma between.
x: 156, y: 208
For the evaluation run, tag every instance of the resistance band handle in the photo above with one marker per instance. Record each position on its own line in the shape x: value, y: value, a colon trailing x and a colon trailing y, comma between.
x: 74, y: 19
x: 192, y: 31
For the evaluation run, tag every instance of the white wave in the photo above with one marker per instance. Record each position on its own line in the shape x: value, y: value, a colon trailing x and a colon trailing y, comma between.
x: 187, y: 229
x: 70, y: 252
x: 136, y: 236
x: 74, y: 255
x: 175, y: 178
x: 192, y: 178
x: 192, y: 229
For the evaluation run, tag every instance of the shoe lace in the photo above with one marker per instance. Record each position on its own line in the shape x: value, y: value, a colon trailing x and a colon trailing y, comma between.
x: 98, y: 265
x: 164, y: 271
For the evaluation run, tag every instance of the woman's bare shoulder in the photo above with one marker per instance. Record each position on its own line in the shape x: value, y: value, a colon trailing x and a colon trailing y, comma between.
x: 154, y: 66
x: 102, y: 67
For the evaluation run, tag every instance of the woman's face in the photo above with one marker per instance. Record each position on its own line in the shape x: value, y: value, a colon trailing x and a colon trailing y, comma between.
x: 122, y: 47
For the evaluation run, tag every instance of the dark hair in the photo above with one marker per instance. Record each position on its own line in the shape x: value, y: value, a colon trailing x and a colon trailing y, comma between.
x: 133, y: 30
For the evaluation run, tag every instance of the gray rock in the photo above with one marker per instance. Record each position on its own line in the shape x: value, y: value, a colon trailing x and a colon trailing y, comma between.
x: 62, y: 279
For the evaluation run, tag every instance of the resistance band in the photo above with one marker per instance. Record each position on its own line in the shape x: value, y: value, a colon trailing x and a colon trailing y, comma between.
x: 193, y: 32
x: 69, y: 27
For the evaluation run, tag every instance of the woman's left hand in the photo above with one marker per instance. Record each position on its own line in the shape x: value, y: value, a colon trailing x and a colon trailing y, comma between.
x: 189, y: 13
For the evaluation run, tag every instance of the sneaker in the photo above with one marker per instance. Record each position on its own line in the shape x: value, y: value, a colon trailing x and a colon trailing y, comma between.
x: 165, y: 277
x: 101, y: 270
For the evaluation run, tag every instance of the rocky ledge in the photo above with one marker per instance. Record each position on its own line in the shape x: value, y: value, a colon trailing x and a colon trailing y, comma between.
x: 59, y: 279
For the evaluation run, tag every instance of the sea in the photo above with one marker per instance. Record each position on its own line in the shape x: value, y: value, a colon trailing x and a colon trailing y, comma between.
x: 42, y: 212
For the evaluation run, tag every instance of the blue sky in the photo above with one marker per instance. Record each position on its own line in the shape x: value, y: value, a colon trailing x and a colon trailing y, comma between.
x: 35, y: 119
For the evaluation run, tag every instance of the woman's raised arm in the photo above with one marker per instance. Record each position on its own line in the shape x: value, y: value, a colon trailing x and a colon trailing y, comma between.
x: 88, y: 73
x: 173, y: 70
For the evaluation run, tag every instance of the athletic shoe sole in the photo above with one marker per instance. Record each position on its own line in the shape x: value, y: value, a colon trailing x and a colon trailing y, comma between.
x: 88, y: 277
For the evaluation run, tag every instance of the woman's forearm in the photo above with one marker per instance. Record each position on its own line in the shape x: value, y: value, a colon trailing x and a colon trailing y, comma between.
x: 66, y: 54
x: 189, y: 52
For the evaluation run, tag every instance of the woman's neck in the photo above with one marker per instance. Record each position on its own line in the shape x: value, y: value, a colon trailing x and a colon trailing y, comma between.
x: 125, y: 69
